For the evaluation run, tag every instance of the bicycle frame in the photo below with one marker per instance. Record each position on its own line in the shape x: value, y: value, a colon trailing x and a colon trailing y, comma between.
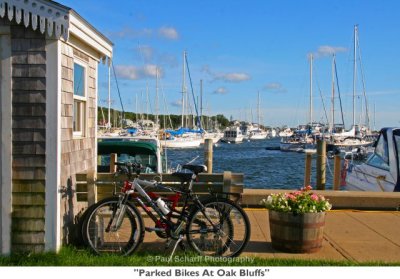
x: 135, y: 189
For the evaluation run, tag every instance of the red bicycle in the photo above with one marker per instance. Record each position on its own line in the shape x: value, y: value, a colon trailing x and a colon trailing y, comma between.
x: 214, y: 226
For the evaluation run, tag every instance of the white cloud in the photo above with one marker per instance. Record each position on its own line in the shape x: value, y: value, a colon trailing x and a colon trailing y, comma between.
x: 168, y: 33
x: 129, y: 33
x: 135, y: 73
x: 220, y: 91
x: 177, y: 103
x: 164, y: 32
x: 323, y: 51
x: 233, y: 77
x: 275, y: 87
x: 226, y: 77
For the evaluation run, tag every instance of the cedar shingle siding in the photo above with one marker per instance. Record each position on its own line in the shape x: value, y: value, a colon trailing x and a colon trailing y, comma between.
x: 28, y: 50
x: 41, y: 153
x: 77, y: 154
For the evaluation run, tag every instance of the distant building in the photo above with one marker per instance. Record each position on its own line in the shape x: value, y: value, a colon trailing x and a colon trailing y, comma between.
x: 49, y: 58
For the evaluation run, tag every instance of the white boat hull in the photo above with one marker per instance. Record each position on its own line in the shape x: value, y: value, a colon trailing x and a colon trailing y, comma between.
x: 181, y: 143
x: 233, y: 140
x: 258, y: 136
x: 214, y: 137
x: 368, y: 178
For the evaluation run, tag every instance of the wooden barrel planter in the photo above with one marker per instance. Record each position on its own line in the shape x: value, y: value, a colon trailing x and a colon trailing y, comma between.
x: 302, y: 233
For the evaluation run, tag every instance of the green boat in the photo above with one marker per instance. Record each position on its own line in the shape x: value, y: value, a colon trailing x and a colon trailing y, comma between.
x: 145, y: 153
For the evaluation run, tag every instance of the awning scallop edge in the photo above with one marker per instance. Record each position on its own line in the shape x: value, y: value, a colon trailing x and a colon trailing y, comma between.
x: 39, y: 14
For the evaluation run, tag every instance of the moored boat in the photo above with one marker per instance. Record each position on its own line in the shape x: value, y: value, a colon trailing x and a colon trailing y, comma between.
x: 233, y: 135
x: 380, y: 173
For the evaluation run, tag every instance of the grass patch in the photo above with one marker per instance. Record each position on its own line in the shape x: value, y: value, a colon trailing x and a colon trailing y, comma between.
x: 70, y: 256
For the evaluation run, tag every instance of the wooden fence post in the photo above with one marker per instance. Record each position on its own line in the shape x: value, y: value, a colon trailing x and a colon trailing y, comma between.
x: 307, y: 174
x: 321, y: 164
x: 113, y: 159
x: 208, y: 155
x: 336, y: 172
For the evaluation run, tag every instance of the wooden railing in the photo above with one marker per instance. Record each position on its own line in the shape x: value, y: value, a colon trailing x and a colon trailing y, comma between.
x: 105, y: 184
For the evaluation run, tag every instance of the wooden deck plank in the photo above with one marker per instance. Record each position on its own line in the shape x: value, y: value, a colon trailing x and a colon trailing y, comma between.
x: 357, y: 240
x: 377, y: 223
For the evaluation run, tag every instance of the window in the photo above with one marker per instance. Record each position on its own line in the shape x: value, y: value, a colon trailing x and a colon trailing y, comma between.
x: 148, y: 161
x: 79, y: 117
x: 380, y: 158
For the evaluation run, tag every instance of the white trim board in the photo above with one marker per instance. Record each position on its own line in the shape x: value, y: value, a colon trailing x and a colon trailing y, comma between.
x: 53, y: 146
x: 6, y: 137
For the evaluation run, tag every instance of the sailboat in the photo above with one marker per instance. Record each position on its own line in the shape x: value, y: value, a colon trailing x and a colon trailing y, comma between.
x: 183, y: 137
x: 357, y: 136
x: 301, y: 140
x: 256, y: 132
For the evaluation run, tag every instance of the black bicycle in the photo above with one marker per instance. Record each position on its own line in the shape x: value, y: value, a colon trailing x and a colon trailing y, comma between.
x: 213, y: 226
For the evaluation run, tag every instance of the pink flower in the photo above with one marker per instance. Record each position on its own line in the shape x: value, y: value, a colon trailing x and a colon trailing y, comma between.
x: 314, y: 197
x: 297, y: 193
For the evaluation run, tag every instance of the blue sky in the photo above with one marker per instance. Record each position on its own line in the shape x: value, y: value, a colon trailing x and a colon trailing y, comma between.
x: 239, y: 48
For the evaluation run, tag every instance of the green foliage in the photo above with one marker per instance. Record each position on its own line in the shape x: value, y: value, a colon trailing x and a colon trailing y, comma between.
x: 171, y: 121
x: 298, y: 202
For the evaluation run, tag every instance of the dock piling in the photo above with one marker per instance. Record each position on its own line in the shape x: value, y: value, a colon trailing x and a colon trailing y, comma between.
x: 336, y: 172
x: 307, y: 174
x: 321, y: 164
x: 208, y: 155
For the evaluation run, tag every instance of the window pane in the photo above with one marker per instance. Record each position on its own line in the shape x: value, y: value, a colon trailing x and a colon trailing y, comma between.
x: 381, y: 149
x: 76, y: 116
x: 376, y: 161
x: 79, y: 113
x: 79, y: 80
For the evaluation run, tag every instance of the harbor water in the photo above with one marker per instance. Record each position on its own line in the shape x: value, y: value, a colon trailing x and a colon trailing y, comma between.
x: 262, y: 168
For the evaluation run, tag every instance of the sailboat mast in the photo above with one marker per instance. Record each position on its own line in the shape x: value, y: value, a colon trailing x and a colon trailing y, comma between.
x: 258, y: 110
x: 201, y: 100
x: 183, y: 90
x: 147, y: 101
x: 355, y: 73
x: 311, y: 88
x: 333, y: 92
x: 109, y: 96
x: 156, y: 104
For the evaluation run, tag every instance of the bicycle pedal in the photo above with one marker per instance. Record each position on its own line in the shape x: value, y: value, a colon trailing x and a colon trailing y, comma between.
x: 182, y: 246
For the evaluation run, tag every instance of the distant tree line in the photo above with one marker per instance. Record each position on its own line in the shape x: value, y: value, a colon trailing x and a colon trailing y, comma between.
x: 171, y: 121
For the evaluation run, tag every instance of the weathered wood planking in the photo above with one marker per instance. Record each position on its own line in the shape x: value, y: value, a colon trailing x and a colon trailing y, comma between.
x: 28, y: 50
x: 78, y: 154
x: 106, y: 186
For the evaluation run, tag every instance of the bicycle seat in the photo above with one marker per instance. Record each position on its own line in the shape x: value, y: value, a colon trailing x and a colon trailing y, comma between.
x: 196, y: 169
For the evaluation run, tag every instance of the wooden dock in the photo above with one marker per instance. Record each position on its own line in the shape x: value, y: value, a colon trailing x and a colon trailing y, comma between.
x: 349, y: 235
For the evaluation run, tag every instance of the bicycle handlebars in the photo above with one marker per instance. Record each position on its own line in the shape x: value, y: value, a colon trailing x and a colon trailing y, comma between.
x: 128, y: 168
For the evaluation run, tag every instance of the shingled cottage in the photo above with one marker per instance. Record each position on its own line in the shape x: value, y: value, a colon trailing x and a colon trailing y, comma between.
x: 49, y: 68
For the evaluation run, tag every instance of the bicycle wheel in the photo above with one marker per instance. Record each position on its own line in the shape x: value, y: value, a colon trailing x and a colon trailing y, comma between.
x: 222, y: 228
x: 110, y: 229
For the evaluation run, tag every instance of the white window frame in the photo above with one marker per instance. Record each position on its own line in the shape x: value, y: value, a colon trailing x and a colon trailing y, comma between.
x: 82, y: 101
